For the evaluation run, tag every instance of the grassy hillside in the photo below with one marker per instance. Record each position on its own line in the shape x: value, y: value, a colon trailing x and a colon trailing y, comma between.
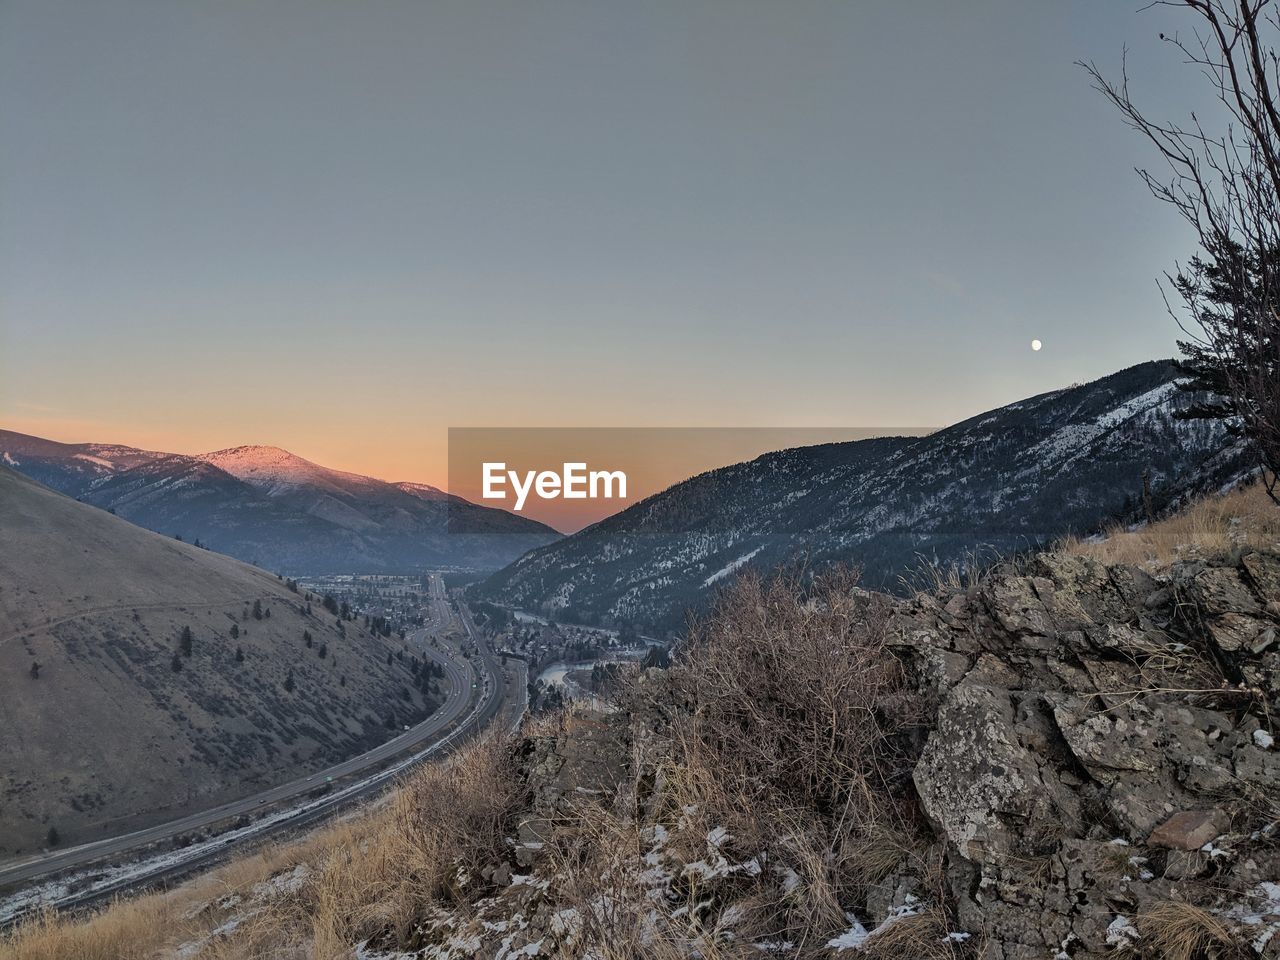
x: 1238, y: 518
x: 106, y: 735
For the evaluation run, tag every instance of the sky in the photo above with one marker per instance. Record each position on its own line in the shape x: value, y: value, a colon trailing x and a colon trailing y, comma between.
x: 344, y: 228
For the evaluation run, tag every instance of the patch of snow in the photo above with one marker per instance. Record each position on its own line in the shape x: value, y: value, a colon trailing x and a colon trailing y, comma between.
x: 290, y: 882
x: 851, y: 939
x: 731, y: 567
x: 1263, y: 739
x: 790, y: 880
x: 566, y: 923
x: 731, y: 916
x: 1214, y: 852
x: 96, y: 461
x: 857, y: 934
x: 528, y: 950
x: 366, y: 952
x: 1122, y: 933
x: 528, y: 879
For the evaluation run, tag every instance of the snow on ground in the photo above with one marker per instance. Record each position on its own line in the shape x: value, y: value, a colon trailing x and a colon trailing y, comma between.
x: 1261, y: 908
x: 731, y: 567
x: 857, y: 935
x: 1122, y: 933
x: 96, y: 461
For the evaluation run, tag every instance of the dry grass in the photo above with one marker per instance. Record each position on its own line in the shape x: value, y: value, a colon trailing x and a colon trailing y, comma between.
x: 131, y: 930
x: 931, y: 578
x: 1243, y: 517
x: 922, y: 937
x: 1173, y: 930
x: 448, y: 819
x: 369, y: 876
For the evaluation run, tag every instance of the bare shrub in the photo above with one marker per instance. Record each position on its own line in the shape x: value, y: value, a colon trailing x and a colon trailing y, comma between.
x: 797, y: 703
x: 795, y: 735
x: 1222, y: 175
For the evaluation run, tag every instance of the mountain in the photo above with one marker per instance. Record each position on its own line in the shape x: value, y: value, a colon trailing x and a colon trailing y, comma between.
x: 280, y: 473
x: 68, y: 466
x: 272, y: 508
x: 106, y: 736
x: 1011, y: 479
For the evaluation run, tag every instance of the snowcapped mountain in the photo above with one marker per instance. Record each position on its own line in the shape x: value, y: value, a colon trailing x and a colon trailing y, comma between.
x: 1012, y: 479
x: 278, y: 472
x: 273, y: 508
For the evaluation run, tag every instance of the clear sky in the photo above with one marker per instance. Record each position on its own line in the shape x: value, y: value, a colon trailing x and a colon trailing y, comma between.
x: 342, y: 227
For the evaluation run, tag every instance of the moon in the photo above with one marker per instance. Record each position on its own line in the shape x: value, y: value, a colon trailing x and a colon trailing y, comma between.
x: 1036, y: 344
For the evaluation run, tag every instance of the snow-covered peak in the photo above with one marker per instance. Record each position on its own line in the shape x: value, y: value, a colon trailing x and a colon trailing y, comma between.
x: 278, y: 469
x: 262, y: 463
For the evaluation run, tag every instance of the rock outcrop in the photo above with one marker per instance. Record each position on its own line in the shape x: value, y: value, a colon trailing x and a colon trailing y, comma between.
x: 1098, y: 778
x: 1102, y: 746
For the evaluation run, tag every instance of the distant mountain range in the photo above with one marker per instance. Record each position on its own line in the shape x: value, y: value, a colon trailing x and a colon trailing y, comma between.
x: 277, y: 510
x: 1012, y: 479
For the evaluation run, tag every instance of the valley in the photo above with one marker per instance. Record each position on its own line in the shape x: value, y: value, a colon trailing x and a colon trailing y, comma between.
x: 417, y: 667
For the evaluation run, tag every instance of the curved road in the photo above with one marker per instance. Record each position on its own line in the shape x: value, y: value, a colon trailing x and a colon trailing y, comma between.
x: 463, y: 679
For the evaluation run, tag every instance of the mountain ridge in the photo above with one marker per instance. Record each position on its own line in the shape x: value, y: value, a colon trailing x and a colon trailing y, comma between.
x: 270, y: 507
x: 1002, y: 481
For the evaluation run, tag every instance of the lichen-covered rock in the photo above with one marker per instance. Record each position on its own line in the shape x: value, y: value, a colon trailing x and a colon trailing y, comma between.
x: 1110, y: 750
x: 975, y: 777
x: 1219, y: 590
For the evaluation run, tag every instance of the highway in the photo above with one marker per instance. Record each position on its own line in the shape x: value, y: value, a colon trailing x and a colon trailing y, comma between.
x: 507, y: 689
x: 474, y: 698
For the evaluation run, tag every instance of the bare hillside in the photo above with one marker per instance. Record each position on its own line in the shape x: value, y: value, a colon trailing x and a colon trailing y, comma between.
x: 111, y: 720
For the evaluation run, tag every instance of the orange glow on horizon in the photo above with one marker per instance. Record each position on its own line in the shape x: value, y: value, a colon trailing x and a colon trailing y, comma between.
x: 393, y: 466
x: 654, y: 458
